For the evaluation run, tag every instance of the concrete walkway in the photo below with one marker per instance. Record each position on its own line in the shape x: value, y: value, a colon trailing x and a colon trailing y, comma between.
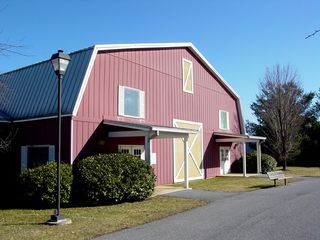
x: 285, y: 212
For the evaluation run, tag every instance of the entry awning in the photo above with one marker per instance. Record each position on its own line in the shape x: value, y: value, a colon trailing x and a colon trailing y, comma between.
x: 150, y: 132
x: 231, y: 137
x: 146, y: 130
x: 242, y: 138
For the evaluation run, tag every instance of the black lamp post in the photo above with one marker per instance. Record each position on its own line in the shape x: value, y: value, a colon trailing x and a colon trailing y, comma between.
x: 60, y: 63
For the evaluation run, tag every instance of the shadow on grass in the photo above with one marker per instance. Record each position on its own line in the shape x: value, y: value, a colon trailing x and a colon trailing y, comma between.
x: 257, y: 187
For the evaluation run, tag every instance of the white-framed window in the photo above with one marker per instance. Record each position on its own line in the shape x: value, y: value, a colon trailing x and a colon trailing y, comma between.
x: 223, y: 120
x: 135, y: 150
x: 35, y: 155
x: 187, y: 75
x: 131, y: 102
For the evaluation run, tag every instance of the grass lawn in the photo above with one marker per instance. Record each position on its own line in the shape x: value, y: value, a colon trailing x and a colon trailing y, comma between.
x: 244, y: 184
x: 302, y: 171
x: 90, y: 222
x: 231, y: 184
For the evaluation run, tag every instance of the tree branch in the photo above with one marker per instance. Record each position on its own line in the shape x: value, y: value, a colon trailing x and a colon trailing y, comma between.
x: 312, y: 34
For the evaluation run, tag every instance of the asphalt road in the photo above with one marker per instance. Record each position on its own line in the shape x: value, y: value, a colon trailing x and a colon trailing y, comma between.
x: 281, y: 213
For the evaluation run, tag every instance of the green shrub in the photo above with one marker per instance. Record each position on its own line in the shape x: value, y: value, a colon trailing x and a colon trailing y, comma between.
x: 268, y: 163
x: 112, y: 178
x: 38, y: 186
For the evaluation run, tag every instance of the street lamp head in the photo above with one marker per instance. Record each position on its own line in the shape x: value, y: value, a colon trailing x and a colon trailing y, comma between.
x: 60, y: 62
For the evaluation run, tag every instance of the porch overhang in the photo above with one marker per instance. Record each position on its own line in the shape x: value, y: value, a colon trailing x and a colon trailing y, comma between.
x: 145, y: 130
x: 242, y: 138
x: 231, y: 137
x: 150, y: 132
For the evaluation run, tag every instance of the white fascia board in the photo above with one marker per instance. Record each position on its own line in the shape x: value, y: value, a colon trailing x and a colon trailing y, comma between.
x: 3, y: 121
x: 85, y: 81
x: 234, y: 140
x: 40, y: 118
x: 174, y: 130
x: 120, y: 134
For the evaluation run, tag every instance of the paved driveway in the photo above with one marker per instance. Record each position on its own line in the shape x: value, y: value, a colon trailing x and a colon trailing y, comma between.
x: 286, y: 212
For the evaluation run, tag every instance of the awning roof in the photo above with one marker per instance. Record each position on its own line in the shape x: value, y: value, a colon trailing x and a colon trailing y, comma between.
x: 231, y: 137
x: 152, y: 131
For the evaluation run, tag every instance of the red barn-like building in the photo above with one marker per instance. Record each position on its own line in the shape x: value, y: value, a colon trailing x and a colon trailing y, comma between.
x: 162, y: 102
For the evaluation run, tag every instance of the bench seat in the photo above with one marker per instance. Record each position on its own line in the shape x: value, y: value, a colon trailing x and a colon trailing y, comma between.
x: 277, y: 175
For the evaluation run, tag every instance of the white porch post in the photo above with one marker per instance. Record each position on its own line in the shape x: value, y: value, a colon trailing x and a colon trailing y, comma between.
x: 259, y: 157
x: 186, y: 164
x: 244, y: 157
x: 147, y: 151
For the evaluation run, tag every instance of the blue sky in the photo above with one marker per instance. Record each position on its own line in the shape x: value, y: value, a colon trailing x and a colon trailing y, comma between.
x: 239, y: 38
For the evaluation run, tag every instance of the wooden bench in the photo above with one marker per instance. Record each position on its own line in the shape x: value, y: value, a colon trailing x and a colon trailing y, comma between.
x: 277, y: 175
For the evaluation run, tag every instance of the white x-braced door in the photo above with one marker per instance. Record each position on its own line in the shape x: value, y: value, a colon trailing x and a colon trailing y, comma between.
x: 194, y: 149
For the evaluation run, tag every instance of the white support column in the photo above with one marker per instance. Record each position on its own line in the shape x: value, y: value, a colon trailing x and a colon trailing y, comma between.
x: 259, y: 157
x: 147, y: 150
x: 186, y: 164
x: 244, y: 157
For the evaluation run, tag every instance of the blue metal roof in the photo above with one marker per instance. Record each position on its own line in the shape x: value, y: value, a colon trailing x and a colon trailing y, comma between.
x: 32, y: 91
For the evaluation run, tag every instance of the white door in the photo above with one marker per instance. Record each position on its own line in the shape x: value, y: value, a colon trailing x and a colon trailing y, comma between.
x: 224, y: 160
x: 136, y: 150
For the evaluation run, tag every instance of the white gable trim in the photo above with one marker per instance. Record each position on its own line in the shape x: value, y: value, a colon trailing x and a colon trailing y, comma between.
x: 190, y: 46
x: 85, y: 81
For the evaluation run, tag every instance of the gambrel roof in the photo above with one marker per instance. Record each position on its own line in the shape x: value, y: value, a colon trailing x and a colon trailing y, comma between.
x: 32, y: 89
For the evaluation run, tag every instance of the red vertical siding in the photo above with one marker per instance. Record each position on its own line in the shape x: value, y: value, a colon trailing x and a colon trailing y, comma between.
x: 158, y: 72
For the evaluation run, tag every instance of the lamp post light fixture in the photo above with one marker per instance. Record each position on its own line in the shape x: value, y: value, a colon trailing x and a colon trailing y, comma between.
x: 60, y: 63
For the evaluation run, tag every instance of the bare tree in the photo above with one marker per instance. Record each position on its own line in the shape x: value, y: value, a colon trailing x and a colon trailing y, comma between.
x: 312, y: 34
x: 280, y: 108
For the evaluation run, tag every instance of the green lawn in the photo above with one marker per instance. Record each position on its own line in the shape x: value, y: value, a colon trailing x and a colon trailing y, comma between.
x: 89, y: 222
x: 244, y: 184
x: 231, y: 184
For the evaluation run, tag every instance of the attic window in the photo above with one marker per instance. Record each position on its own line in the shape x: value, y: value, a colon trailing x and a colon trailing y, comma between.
x: 187, y: 68
x: 131, y: 102
x: 223, y: 120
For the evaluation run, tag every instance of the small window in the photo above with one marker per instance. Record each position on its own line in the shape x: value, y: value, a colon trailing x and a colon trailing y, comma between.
x: 223, y: 120
x: 131, y: 102
x: 34, y: 156
x: 187, y: 68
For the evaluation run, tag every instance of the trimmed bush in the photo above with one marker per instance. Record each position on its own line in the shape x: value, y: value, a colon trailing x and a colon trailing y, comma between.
x: 112, y: 178
x: 268, y: 163
x: 38, y: 185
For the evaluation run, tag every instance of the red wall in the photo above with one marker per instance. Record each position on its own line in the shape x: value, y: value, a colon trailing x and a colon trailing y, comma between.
x: 159, y: 74
x: 41, y: 132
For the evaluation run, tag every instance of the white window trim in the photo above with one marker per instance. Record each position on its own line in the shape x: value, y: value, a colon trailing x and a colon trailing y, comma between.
x: 121, y: 102
x: 24, y: 154
x: 220, y: 122
x: 183, y: 77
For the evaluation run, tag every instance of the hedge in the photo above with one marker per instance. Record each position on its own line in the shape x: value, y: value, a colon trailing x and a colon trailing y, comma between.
x: 112, y: 178
x: 268, y: 163
x: 38, y: 186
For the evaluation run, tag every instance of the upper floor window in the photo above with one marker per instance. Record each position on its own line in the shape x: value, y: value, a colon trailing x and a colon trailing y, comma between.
x: 131, y: 102
x: 223, y: 120
x: 187, y: 75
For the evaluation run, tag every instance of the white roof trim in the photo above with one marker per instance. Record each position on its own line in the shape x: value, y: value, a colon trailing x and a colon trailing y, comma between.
x: 231, y: 137
x: 147, y: 127
x: 190, y: 46
x: 40, y: 118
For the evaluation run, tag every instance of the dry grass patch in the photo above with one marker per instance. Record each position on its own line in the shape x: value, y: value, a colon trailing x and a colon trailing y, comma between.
x: 89, y: 222
x: 302, y: 171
